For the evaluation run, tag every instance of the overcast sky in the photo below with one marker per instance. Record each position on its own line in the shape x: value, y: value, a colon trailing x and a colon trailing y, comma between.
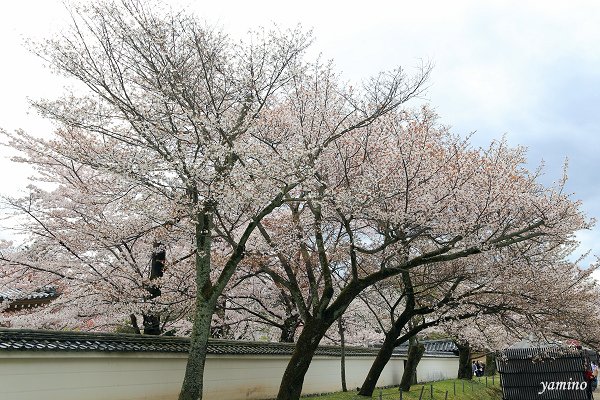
x: 529, y: 70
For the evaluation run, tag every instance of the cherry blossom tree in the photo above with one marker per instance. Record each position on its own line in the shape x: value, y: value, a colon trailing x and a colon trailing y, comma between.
x: 245, y: 152
x: 98, y: 242
x: 214, y: 134
x: 469, y: 301
x: 255, y: 299
x: 400, y: 194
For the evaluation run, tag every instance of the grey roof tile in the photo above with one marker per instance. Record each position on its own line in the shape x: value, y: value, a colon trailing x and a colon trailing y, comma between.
x: 433, y: 347
x: 32, y: 340
x: 37, y: 340
x: 19, y: 294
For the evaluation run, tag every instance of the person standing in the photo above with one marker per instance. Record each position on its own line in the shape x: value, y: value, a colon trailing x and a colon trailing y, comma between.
x: 588, y: 377
x: 478, y: 373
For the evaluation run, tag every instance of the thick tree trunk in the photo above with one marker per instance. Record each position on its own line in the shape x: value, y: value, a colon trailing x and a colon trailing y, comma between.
x: 134, y: 324
x: 383, y: 356
x: 490, y: 364
x: 206, y: 302
x: 288, y: 332
x: 151, y: 324
x: 293, y: 377
x: 194, y: 372
x: 465, y: 370
x: 409, y: 376
x: 391, y: 337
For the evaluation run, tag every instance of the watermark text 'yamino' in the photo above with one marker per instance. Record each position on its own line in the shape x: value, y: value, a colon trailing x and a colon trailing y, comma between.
x: 551, y: 386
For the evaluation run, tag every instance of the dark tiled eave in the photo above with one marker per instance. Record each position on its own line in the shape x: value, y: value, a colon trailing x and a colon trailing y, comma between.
x: 432, y: 347
x: 18, y: 294
x: 39, y: 340
x: 18, y: 299
x: 34, y: 340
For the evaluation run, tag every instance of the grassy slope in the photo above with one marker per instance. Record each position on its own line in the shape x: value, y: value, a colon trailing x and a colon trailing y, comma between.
x: 478, y: 392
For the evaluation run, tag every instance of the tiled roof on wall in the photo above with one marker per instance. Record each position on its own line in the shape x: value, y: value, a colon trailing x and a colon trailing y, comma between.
x: 37, y: 340
x: 19, y: 294
x: 34, y: 340
x: 433, y: 347
x: 19, y: 298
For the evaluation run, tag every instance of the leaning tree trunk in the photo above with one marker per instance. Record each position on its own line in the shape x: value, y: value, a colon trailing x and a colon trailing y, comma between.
x: 306, y: 345
x: 390, y: 341
x: 409, y: 376
x: 383, y: 356
x: 465, y: 370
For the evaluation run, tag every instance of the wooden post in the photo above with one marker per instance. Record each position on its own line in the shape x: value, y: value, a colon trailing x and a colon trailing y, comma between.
x: 454, y: 388
x: 431, y: 392
x: 463, y: 386
x: 421, y: 395
x: 380, y: 394
x: 400, y: 393
x: 446, y: 397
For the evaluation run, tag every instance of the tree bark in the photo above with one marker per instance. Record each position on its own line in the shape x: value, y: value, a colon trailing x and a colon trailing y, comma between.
x: 194, y: 372
x: 134, y: 324
x: 151, y: 322
x: 206, y: 302
x: 382, y: 358
x: 465, y: 370
x: 288, y: 331
x: 220, y: 331
x: 343, y: 354
x: 293, y: 377
x: 490, y: 364
x: 390, y: 341
x: 409, y: 376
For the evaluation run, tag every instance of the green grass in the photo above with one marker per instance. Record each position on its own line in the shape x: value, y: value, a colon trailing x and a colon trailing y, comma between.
x: 474, y: 390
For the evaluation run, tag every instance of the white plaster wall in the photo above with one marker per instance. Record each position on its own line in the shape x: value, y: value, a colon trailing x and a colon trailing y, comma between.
x: 437, y: 369
x: 75, y: 376
x: 126, y: 376
x: 259, y: 377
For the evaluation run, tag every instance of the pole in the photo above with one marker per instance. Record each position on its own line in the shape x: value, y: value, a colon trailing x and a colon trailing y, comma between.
x: 421, y: 395
x: 342, y: 354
